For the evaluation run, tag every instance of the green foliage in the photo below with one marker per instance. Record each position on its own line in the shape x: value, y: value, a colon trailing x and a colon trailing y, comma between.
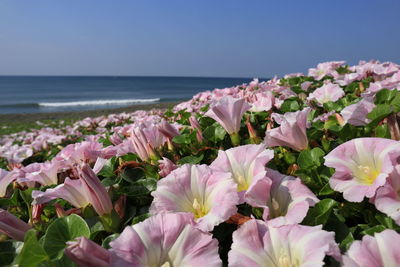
x: 62, y: 230
x: 32, y: 253
x: 321, y: 212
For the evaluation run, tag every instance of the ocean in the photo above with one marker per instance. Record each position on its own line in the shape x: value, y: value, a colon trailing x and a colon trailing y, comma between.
x: 32, y: 94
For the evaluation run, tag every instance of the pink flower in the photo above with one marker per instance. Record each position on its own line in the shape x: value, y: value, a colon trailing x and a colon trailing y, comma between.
x: 16, y: 154
x: 196, y: 125
x: 247, y: 166
x: 142, y: 147
x: 95, y: 191
x: 44, y: 173
x: 325, y: 68
x: 291, y: 132
x: 356, y: 114
x: 380, y: 250
x: 256, y: 244
x: 168, y: 130
x: 6, y: 178
x: 228, y: 112
x: 71, y: 191
x: 305, y: 85
x: 326, y: 93
x: 362, y: 166
x: 209, y: 195
x: 165, y: 240
x: 263, y: 101
x: 86, y: 253
x: 153, y: 136
x: 86, y: 151
x: 287, y: 202
x: 387, y: 198
x: 12, y: 226
x: 166, y: 167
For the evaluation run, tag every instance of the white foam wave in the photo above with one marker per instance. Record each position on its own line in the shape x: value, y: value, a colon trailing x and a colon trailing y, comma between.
x: 98, y: 102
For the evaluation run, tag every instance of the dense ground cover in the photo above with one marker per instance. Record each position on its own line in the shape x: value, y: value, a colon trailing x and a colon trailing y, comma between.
x: 297, y: 171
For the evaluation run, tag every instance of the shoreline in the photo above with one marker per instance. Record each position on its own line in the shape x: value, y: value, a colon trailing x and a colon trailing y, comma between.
x: 15, y: 122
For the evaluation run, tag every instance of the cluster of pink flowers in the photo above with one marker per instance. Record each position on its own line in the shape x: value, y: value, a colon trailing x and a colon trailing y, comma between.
x: 191, y: 200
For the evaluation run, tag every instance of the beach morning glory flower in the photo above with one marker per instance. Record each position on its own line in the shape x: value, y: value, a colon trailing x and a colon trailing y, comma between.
x: 361, y: 166
x: 324, y: 68
x: 166, y: 240
x: 166, y: 166
x: 256, y: 244
x: 380, y: 250
x: 142, y: 147
x: 211, y: 196
x: 12, y: 226
x: 71, y: 191
x: 356, y: 114
x: 79, y: 192
x: 291, y: 132
x: 247, y: 166
x: 86, y: 151
x: 44, y: 173
x: 263, y: 101
x: 95, y: 191
x: 287, y: 202
x: 326, y: 93
x: 87, y: 253
x: 6, y: 178
x: 196, y: 125
x: 168, y: 130
x: 387, y: 198
x: 228, y: 112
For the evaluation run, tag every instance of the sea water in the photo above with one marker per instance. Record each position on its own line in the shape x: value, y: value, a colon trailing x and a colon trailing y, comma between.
x: 28, y: 94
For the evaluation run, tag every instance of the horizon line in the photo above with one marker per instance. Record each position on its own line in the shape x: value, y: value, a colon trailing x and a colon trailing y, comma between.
x: 128, y: 76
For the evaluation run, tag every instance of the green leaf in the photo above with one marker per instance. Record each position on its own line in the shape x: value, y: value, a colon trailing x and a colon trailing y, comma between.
x: 320, y: 213
x: 345, y: 244
x: 131, y: 175
x: 32, y: 253
x: 62, y: 230
x: 108, y: 239
x: 149, y: 183
x: 8, y: 251
x: 332, y: 106
x: 140, y: 218
x: 290, y: 105
x: 220, y: 133
x: 395, y: 102
x: 109, y: 168
x: 326, y: 190
x: 373, y: 230
x: 310, y: 158
x: 214, y: 132
x: 380, y: 112
x: 182, y: 139
x: 382, y: 131
x: 191, y: 159
x: 289, y: 157
x: 27, y: 195
x: 384, y: 96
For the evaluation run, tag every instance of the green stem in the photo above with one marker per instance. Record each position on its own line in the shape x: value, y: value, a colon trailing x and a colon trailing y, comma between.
x: 235, y: 139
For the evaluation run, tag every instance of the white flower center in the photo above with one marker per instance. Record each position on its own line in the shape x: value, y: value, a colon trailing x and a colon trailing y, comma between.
x: 366, y: 175
x: 242, y: 183
x: 199, y: 210
x: 286, y: 261
x: 166, y: 264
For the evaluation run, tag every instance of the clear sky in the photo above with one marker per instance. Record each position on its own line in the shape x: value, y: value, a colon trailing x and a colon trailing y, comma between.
x: 225, y: 38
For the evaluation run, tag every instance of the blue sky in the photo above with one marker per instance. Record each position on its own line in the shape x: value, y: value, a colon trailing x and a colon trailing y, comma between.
x: 225, y: 38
